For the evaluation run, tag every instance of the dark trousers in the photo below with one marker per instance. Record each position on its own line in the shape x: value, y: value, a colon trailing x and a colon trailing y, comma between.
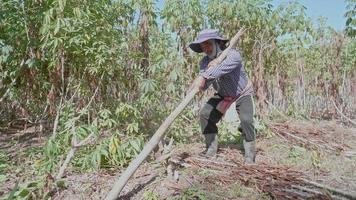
x: 210, y: 116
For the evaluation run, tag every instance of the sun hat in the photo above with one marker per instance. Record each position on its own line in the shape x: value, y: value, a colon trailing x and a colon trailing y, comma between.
x: 205, y: 35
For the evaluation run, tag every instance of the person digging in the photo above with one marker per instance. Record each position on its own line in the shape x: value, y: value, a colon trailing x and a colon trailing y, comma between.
x: 232, y: 84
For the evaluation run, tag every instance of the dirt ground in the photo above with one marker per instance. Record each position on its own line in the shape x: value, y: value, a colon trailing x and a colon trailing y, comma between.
x: 295, y: 160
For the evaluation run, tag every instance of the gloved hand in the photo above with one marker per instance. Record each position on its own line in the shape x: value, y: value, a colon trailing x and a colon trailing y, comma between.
x: 198, y: 84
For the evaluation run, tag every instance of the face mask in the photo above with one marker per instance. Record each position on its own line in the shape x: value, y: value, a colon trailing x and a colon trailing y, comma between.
x: 216, y: 50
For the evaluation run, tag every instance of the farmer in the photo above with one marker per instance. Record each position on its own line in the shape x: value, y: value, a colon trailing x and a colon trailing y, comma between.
x: 232, y: 84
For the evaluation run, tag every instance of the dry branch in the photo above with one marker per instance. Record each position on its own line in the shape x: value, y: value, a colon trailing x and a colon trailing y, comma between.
x: 214, y: 162
x: 280, y: 182
x: 56, y: 120
x: 75, y: 145
x: 307, y: 141
x: 152, y: 143
x: 66, y: 162
x: 71, y: 153
x: 342, y: 114
x: 5, y: 95
x: 306, y: 137
x: 306, y: 189
x: 333, y: 190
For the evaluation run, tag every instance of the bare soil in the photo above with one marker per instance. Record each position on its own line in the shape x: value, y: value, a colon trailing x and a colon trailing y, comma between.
x: 291, y: 158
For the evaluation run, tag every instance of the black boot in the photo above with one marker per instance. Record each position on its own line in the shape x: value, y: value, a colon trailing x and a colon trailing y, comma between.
x: 250, y: 151
x: 211, y: 144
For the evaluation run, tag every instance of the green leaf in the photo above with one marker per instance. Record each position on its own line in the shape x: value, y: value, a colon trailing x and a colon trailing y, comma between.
x: 132, y: 128
x: 148, y: 85
x: 30, y: 62
x: 32, y: 184
x: 13, y: 191
x: 22, y: 193
x: 61, y: 184
x: 136, y: 145
x: 58, y: 25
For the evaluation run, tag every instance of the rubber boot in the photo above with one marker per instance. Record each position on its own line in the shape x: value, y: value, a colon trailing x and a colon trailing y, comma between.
x: 211, y: 144
x: 250, y: 151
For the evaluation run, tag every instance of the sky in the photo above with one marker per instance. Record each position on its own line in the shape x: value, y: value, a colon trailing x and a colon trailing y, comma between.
x: 332, y: 10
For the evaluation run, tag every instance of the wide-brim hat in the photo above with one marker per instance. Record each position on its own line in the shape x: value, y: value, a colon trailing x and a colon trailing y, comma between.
x: 204, y: 35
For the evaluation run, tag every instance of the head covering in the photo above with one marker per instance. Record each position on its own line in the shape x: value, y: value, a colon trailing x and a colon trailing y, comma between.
x: 205, y: 35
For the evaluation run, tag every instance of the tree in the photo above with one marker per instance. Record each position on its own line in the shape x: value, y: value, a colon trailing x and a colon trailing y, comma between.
x: 350, y: 18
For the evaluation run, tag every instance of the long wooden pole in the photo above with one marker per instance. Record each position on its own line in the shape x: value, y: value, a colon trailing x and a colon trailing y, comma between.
x: 148, y: 148
x: 152, y: 143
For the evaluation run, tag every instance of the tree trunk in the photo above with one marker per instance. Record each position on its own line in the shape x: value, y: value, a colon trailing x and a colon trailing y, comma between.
x: 334, y: 85
x: 187, y: 59
x: 144, y: 40
x: 301, y: 81
x: 259, y: 83
x: 353, y: 90
x: 283, y: 85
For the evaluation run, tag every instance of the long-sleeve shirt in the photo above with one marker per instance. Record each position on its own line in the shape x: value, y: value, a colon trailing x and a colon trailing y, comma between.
x: 229, y: 78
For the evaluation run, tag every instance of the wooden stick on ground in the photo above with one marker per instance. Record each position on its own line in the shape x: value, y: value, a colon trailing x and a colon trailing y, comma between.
x: 331, y: 189
x: 152, y: 143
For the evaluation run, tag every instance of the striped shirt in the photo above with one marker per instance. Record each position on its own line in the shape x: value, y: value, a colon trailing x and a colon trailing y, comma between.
x: 229, y: 78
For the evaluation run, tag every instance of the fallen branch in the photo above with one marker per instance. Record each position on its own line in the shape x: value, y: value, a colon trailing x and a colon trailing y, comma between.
x: 307, y: 189
x: 342, y: 114
x: 179, y: 163
x: 152, y: 143
x: 331, y: 189
x: 214, y: 162
x: 304, y: 140
x: 350, y: 153
x: 295, y: 193
x: 281, y: 182
x: 281, y: 136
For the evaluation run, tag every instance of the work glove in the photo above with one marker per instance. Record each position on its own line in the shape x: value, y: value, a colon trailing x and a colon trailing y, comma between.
x: 198, y: 83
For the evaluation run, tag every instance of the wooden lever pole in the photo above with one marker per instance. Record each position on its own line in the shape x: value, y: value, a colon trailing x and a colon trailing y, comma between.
x: 152, y: 143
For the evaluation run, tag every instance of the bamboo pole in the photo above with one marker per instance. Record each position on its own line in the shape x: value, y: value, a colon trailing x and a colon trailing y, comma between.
x: 152, y: 143
x: 148, y: 148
